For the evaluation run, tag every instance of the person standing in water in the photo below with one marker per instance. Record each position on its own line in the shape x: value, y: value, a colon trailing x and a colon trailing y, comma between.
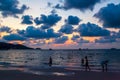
x: 50, y: 61
x: 104, y: 65
x: 82, y: 63
x: 86, y: 64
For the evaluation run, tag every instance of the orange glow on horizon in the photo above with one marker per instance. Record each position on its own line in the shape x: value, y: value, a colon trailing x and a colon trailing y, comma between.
x: 91, y: 39
x: 67, y: 43
x: 16, y: 42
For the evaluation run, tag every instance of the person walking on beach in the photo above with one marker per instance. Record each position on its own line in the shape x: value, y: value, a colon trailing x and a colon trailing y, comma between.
x: 50, y: 61
x: 87, y: 67
x: 104, y: 65
x: 82, y: 63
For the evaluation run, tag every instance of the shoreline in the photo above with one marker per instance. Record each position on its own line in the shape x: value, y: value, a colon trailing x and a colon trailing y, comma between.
x: 58, y: 74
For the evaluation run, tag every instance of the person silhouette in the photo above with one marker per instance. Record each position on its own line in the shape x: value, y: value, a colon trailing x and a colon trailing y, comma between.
x: 86, y: 64
x: 50, y: 61
x: 104, y: 65
x: 82, y: 63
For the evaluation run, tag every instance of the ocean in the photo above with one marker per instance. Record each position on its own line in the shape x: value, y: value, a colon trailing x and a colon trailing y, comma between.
x: 27, y: 59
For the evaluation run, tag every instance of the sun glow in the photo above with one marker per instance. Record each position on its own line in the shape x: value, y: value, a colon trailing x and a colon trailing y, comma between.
x: 91, y: 39
x: 16, y: 42
x: 3, y: 34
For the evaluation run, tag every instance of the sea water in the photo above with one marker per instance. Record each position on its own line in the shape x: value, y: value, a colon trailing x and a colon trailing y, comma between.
x: 61, y: 58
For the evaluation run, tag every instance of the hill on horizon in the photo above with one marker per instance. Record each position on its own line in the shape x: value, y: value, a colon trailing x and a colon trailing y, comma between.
x: 5, y: 46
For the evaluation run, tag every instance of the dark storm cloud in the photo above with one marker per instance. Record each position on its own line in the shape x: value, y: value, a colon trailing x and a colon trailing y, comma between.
x: 37, y: 21
x: 53, y: 11
x: 67, y: 29
x: 81, y: 40
x: 50, y: 20
x: 109, y: 39
x: 73, y: 20
x: 26, y: 19
x: 105, y: 40
x: 78, y: 39
x: 45, y: 27
x: 80, y: 4
x: 90, y: 29
x: 5, y: 29
x: 61, y: 40
x: 10, y: 8
x: 32, y: 32
x: 109, y: 16
x: 58, y: 6
x: 13, y: 37
x: 21, y: 32
x: 75, y: 37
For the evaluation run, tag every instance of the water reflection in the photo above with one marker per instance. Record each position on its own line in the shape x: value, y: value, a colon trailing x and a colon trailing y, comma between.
x: 69, y: 58
x: 50, y: 73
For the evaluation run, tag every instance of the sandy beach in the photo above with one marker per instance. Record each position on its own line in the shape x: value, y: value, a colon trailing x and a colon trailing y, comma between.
x: 58, y: 74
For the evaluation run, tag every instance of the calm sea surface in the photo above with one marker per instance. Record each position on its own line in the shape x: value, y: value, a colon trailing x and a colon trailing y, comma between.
x: 61, y: 58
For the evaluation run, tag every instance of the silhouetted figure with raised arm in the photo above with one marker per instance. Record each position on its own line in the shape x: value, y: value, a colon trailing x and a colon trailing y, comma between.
x: 50, y: 61
x: 86, y: 64
x: 104, y: 65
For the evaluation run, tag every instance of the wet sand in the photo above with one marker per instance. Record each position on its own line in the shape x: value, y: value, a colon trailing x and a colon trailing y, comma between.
x: 70, y: 75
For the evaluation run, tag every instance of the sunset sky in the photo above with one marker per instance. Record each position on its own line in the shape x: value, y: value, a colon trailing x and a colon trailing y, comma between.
x: 61, y: 24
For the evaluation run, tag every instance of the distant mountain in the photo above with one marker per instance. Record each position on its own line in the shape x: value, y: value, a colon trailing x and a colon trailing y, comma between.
x: 4, y: 46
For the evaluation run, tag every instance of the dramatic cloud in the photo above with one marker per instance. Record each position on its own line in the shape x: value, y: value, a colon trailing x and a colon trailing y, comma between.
x: 105, y: 40
x: 75, y: 37
x: 58, y: 6
x: 10, y: 8
x: 73, y: 20
x: 117, y: 34
x: 109, y: 39
x: 78, y: 39
x: 80, y: 4
x: 53, y: 11
x: 5, y: 29
x: 50, y: 20
x: 27, y: 19
x: 81, y: 40
x: 45, y: 27
x: 32, y: 32
x: 13, y: 37
x: 90, y: 29
x: 2, y: 40
x: 67, y: 29
x: 109, y: 16
x: 21, y: 32
x: 61, y: 40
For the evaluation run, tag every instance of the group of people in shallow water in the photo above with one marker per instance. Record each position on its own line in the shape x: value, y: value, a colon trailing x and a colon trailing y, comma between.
x: 85, y: 63
x: 104, y: 65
